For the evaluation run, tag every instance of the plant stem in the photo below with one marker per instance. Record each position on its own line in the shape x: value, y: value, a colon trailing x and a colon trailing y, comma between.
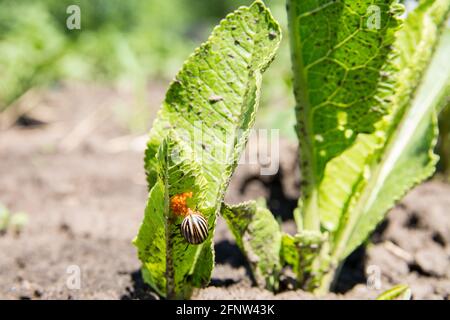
x: 326, y: 282
x: 308, y: 203
x: 310, y: 214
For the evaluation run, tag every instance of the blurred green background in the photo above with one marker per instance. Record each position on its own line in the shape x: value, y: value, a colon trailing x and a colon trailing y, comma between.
x: 137, y: 42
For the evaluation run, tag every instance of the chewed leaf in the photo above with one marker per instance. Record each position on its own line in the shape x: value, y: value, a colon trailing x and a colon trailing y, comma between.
x: 258, y: 235
x: 166, y: 256
x: 213, y: 100
x: 195, y: 144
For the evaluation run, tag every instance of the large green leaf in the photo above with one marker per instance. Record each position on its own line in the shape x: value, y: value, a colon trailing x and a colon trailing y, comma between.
x: 341, y: 68
x: 213, y: 99
x: 209, y: 108
x: 341, y: 94
x: 409, y: 157
x: 258, y: 235
x: 363, y: 140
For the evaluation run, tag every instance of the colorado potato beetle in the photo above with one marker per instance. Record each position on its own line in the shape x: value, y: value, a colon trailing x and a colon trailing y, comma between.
x: 194, y: 227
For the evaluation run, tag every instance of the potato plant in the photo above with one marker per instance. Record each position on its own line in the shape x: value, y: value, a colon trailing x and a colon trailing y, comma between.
x: 368, y: 91
x: 366, y: 120
x: 216, y: 95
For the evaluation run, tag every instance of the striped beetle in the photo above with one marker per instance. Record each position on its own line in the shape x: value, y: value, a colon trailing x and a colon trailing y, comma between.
x: 194, y: 227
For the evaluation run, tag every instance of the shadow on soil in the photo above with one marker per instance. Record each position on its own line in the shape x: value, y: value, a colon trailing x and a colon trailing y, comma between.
x: 139, y: 290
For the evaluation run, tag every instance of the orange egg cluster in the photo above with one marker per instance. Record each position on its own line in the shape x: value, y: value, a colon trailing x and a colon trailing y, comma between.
x: 178, y: 203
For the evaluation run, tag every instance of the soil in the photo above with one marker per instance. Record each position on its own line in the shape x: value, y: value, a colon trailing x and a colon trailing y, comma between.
x: 75, y: 170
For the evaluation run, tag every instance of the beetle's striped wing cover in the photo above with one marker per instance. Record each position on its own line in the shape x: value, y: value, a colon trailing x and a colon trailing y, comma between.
x: 194, y: 228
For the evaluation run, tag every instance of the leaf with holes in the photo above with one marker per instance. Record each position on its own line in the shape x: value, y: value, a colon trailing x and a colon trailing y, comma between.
x: 209, y: 108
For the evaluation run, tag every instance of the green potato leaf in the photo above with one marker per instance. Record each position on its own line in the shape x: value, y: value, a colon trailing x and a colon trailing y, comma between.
x: 365, y: 121
x: 258, y: 235
x: 208, y: 111
x: 409, y: 157
x: 339, y: 65
x: 213, y: 100
x: 167, y: 258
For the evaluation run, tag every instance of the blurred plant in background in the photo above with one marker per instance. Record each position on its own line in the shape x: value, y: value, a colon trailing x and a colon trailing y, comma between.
x: 130, y: 43
x: 29, y: 44
x: 11, y: 221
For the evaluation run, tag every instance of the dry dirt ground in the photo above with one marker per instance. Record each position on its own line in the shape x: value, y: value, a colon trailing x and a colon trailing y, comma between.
x: 79, y: 178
